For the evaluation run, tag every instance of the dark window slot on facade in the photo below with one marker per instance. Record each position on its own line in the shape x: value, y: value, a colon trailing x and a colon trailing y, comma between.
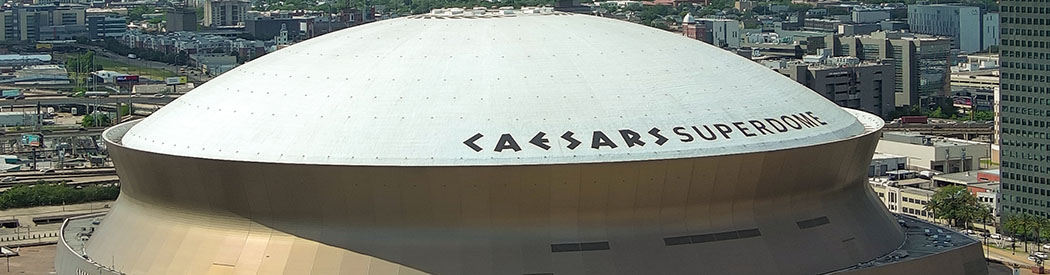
x: 565, y: 247
x: 594, y: 246
x: 573, y: 247
x: 721, y: 236
x: 813, y: 222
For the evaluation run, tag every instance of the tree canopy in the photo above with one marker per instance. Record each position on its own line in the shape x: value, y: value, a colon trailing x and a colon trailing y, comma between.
x: 955, y: 204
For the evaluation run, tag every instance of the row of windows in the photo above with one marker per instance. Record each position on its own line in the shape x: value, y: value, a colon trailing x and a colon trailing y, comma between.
x: 1023, y: 77
x: 1036, y: 10
x: 1024, y: 210
x: 1024, y: 178
x: 1024, y: 99
x: 1037, y: 112
x: 1025, y: 21
x: 1029, y: 201
x: 1026, y: 66
x: 1007, y: 2
x: 911, y: 200
x: 914, y: 211
x: 1006, y: 52
x: 1025, y: 32
x: 1026, y: 151
x: 1026, y: 43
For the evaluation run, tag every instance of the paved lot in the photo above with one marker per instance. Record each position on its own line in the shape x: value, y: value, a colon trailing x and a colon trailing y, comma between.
x: 31, y: 260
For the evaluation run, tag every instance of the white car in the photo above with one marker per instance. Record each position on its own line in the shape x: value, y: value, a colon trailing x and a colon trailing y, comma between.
x: 1009, y: 239
x: 996, y: 236
x: 1041, y: 255
x: 8, y: 179
x: 1046, y: 246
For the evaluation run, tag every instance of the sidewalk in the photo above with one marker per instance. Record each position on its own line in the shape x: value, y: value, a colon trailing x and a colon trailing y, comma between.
x: 1017, y: 259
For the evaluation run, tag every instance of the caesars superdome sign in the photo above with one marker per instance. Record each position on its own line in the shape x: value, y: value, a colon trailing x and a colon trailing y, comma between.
x: 654, y: 136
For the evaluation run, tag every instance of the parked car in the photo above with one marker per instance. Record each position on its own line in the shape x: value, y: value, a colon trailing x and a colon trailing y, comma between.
x: 1041, y: 255
x: 47, y: 170
x: 996, y: 236
x: 8, y: 179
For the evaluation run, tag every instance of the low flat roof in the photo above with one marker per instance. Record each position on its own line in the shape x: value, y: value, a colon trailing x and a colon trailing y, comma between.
x: 967, y: 178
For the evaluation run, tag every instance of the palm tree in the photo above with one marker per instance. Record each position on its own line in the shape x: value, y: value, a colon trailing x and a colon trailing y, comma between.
x: 1023, y: 224
x: 983, y: 213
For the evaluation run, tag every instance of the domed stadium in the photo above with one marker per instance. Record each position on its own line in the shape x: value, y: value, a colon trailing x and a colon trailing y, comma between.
x: 499, y: 142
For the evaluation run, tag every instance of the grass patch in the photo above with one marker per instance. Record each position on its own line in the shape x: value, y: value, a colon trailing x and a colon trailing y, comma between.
x: 117, y: 66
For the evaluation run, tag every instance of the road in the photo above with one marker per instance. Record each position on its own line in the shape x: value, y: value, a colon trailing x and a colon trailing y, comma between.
x: 112, y: 99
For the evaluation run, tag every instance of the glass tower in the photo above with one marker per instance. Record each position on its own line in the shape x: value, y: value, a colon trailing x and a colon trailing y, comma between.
x: 1025, y: 106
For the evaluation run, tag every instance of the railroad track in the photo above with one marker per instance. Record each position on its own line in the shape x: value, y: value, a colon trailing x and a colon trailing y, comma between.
x: 74, y: 177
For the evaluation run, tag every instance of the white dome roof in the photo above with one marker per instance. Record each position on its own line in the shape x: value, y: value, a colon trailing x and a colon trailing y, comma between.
x: 526, y: 89
x: 688, y: 18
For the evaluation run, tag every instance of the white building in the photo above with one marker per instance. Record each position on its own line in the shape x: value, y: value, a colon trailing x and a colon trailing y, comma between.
x: 869, y: 16
x: 941, y: 154
x: 882, y: 163
x: 966, y: 25
x: 725, y: 33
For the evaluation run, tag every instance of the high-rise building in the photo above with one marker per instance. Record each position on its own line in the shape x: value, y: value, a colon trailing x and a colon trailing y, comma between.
x: 921, y: 62
x: 966, y: 25
x: 180, y: 19
x: 1025, y: 107
x: 219, y: 13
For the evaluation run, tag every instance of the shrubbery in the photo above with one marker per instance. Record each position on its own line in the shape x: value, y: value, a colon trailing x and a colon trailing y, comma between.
x: 55, y: 194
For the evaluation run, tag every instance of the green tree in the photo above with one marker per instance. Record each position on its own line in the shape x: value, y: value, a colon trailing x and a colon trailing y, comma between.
x: 983, y: 213
x: 1024, y: 226
x: 42, y: 194
x: 954, y: 204
x: 136, y: 13
x: 103, y: 120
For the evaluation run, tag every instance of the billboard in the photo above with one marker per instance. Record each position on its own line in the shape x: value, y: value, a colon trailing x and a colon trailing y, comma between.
x: 127, y: 78
x: 175, y: 80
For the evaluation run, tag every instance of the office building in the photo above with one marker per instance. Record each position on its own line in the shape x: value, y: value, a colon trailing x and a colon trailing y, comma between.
x: 967, y: 26
x: 43, y: 22
x: 180, y: 19
x: 863, y: 86
x: 921, y: 62
x: 1025, y: 107
x: 221, y: 13
x: 106, y: 26
x: 391, y: 148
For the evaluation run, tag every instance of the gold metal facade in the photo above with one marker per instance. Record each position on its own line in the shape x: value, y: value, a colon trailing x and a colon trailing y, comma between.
x: 811, y: 207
